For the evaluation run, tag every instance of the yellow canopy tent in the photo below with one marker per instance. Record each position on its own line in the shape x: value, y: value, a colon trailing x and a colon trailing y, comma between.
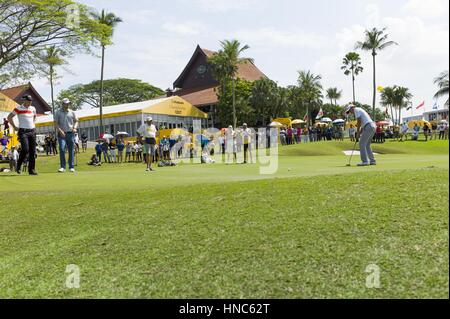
x: 347, y: 126
x: 421, y: 123
x: 285, y: 121
x: 298, y: 122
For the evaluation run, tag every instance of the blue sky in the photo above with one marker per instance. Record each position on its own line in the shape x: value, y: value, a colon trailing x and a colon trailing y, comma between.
x: 158, y: 37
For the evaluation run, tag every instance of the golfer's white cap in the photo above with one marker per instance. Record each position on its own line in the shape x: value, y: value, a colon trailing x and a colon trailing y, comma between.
x: 245, y: 124
x: 149, y: 119
x: 349, y: 108
x: 66, y: 101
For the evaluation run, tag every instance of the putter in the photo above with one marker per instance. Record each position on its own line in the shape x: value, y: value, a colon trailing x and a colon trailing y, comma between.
x: 351, y: 156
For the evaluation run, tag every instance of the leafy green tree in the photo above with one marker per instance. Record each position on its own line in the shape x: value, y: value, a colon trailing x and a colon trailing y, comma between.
x: 310, y: 92
x: 442, y: 82
x: 117, y: 91
x: 374, y: 42
x: 264, y: 100
x: 225, y: 64
x: 352, y: 66
x: 110, y: 21
x: 243, y: 106
x: 333, y: 111
x: 28, y: 27
x: 379, y: 115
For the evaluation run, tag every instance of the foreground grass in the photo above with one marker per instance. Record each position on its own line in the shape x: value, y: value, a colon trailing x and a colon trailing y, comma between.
x: 308, y: 231
x: 293, y: 238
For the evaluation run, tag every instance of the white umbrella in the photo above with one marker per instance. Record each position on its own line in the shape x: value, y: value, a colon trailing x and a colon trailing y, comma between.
x: 338, y: 121
x: 107, y: 136
x: 326, y: 120
x: 275, y: 124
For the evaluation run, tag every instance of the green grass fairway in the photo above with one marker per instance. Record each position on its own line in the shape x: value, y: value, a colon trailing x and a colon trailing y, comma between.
x: 225, y: 231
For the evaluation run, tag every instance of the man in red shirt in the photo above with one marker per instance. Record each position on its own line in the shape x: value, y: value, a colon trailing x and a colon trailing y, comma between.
x: 26, y: 115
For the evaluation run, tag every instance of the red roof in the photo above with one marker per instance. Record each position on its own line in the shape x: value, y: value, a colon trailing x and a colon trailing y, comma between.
x: 199, y: 96
x: 16, y: 93
x: 247, y: 71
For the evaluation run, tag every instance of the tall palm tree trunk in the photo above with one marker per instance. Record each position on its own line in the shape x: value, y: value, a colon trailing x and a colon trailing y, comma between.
x: 392, y: 114
x: 101, y: 90
x: 53, y: 99
x: 353, y: 85
x: 234, y: 104
x: 374, y: 86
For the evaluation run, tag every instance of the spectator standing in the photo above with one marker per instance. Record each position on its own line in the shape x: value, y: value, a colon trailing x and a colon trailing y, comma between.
x: 404, y: 132
x: 351, y: 133
x: 6, y: 127
x: 128, y: 149
x: 84, y: 141
x: 26, y: 114
x: 105, y: 151
x: 66, y: 125
x: 120, y: 148
x: 247, y: 140
x: 98, y: 150
x: 112, y: 152
x: 434, y: 129
x: 441, y: 131
x: 426, y: 131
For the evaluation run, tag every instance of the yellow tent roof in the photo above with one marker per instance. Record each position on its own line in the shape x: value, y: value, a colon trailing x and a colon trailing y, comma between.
x: 6, y: 104
x: 174, y: 106
x: 284, y: 121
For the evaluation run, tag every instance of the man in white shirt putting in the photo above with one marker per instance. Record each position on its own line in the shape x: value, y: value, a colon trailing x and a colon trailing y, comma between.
x: 366, y: 128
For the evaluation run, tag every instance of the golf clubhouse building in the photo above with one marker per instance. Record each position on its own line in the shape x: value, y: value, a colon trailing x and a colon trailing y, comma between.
x: 197, y: 85
x: 168, y: 112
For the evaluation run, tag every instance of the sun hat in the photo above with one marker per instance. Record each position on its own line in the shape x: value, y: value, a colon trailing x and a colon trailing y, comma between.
x: 349, y: 108
x: 65, y: 101
x: 149, y: 119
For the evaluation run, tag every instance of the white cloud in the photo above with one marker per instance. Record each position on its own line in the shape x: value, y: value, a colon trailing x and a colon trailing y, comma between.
x: 189, y: 28
x: 426, y: 9
x: 421, y: 55
x: 269, y: 37
x: 223, y: 5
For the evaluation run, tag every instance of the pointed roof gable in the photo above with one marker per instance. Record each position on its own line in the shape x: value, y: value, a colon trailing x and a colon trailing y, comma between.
x: 16, y: 93
x: 247, y: 71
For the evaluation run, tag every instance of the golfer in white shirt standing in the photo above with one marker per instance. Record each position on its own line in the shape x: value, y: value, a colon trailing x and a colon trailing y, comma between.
x: 148, y: 132
x: 366, y: 128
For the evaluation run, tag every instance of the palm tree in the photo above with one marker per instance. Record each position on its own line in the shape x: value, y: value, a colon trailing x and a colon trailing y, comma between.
x: 226, y: 62
x: 52, y: 57
x: 375, y: 41
x: 442, y: 83
x: 310, y: 89
x: 388, y: 99
x: 109, y: 21
x: 333, y: 94
x: 402, y: 96
x: 352, y: 65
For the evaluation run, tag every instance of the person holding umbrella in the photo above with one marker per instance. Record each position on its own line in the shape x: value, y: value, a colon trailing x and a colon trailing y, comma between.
x: 366, y: 128
x: 147, y: 132
x: 26, y: 114
x: 66, y: 123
